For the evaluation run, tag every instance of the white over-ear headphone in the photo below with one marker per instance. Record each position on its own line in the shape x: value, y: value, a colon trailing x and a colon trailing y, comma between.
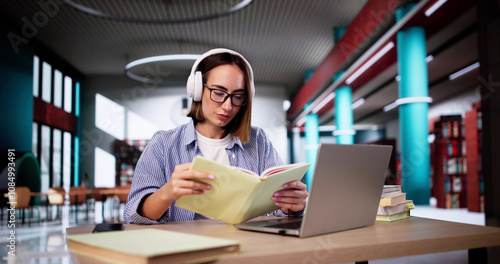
x: 195, y: 82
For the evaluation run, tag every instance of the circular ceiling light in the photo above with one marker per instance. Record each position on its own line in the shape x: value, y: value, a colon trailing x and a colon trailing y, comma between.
x: 159, y: 12
x: 154, y: 79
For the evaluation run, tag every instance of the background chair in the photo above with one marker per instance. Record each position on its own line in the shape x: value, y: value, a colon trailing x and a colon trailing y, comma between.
x: 56, y: 197
x: 121, y: 194
x: 3, y: 202
x: 21, y: 200
x: 78, y: 197
x: 99, y: 195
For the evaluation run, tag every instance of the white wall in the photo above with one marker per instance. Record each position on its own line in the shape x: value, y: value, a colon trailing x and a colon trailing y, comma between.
x: 149, y: 109
x: 268, y: 114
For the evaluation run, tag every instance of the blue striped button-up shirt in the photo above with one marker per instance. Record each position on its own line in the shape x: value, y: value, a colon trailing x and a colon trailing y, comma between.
x: 168, y: 149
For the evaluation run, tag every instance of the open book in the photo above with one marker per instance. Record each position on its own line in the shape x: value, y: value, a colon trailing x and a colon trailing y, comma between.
x: 150, y: 246
x: 238, y: 195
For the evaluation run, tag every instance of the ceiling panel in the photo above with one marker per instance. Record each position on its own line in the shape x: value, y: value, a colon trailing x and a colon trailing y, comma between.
x: 280, y: 38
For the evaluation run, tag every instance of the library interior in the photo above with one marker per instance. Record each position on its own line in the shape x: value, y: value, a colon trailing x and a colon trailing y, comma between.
x: 86, y: 84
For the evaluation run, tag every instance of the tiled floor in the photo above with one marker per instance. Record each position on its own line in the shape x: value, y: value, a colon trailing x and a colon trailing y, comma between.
x: 44, y: 243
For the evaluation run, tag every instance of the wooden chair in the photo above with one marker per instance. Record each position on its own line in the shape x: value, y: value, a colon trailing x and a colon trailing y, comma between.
x: 121, y: 194
x: 3, y: 202
x: 78, y: 197
x: 56, y: 196
x: 21, y: 200
x: 98, y: 195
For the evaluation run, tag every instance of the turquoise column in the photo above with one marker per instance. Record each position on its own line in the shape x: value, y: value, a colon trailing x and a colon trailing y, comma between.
x: 312, y: 142
x: 343, y: 102
x: 343, y: 113
x: 413, y: 122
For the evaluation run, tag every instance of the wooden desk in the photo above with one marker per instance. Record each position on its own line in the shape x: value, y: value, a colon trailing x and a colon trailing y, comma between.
x: 412, y: 236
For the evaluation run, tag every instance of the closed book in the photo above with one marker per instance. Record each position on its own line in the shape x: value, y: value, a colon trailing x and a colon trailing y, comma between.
x: 238, y: 195
x: 393, y: 200
x: 393, y: 217
x: 400, y: 207
x: 391, y: 190
x: 150, y: 246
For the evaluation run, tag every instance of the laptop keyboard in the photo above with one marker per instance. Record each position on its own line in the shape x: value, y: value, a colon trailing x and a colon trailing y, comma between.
x: 289, y: 225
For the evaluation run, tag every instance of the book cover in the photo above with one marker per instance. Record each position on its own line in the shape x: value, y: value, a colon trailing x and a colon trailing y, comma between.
x: 400, y: 207
x: 392, y: 200
x: 149, y: 246
x: 393, y: 217
x: 391, y: 190
x: 238, y: 195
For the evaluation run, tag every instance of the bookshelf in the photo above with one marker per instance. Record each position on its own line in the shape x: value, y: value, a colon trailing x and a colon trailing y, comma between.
x: 127, y: 153
x: 449, y: 167
x: 473, y: 139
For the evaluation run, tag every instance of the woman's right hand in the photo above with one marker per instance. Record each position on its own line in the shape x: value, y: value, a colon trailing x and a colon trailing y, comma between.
x: 182, y: 182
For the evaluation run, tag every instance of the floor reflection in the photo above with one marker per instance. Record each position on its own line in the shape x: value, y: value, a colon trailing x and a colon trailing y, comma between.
x: 45, y: 242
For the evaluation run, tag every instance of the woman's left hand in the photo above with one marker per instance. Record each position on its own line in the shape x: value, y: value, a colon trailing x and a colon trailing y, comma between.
x: 292, y: 198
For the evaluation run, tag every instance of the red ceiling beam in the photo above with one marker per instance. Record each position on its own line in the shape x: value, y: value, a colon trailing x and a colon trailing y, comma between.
x: 433, y: 24
x: 369, y: 20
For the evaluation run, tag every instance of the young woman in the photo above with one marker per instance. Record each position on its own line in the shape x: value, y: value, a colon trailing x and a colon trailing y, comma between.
x: 222, y: 88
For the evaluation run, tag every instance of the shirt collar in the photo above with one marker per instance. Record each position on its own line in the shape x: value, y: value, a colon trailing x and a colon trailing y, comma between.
x: 190, y: 136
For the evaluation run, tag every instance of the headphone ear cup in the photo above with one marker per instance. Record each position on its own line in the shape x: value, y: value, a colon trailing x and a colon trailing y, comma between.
x: 198, y: 86
x: 190, y: 86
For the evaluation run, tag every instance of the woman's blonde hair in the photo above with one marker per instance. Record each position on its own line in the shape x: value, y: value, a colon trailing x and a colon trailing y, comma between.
x: 240, y: 126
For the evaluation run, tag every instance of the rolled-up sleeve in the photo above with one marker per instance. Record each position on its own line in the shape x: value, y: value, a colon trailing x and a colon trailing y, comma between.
x: 149, y: 176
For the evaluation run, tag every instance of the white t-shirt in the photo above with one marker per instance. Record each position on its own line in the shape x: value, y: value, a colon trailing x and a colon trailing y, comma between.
x: 214, y: 149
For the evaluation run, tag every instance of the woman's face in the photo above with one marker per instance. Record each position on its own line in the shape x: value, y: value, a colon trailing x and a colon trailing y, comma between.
x: 227, y: 78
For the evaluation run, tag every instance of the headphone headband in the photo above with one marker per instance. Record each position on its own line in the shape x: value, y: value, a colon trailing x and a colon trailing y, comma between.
x: 194, y: 83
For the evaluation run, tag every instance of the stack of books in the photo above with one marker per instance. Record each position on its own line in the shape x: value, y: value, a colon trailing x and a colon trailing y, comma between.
x: 393, y: 204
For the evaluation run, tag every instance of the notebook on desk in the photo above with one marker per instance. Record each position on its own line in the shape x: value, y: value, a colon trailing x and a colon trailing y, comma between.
x: 344, y: 194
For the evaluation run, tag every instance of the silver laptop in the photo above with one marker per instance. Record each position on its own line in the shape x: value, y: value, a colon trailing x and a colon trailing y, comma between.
x: 344, y: 193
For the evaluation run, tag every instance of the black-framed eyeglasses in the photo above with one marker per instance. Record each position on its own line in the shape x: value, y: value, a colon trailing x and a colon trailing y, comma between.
x: 220, y: 96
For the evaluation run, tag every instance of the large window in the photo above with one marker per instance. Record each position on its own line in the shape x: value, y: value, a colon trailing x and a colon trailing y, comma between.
x: 104, y: 169
x: 68, y: 93
x: 58, y: 89
x: 53, y: 139
x: 109, y: 117
x: 45, y: 157
x: 46, y: 82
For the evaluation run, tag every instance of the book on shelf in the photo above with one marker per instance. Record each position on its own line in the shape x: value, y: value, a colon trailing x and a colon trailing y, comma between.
x: 392, y: 200
x: 238, y: 195
x: 391, y: 190
x: 149, y: 246
x: 400, y: 207
x: 393, y: 217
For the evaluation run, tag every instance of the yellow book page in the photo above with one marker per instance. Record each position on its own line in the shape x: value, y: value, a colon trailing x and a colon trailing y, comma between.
x: 230, y: 191
x: 262, y: 203
x: 150, y: 242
